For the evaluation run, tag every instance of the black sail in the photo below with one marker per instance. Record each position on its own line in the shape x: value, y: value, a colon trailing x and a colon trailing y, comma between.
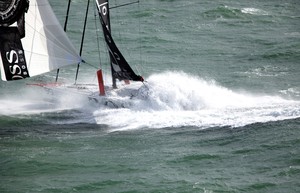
x: 120, y: 67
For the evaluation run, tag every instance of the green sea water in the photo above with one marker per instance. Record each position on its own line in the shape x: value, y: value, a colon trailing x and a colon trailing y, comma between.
x: 222, y: 111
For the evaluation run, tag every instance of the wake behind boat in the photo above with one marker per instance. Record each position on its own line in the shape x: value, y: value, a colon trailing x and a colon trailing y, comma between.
x: 33, y: 43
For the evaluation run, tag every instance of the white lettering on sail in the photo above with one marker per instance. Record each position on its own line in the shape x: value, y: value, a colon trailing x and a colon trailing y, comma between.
x: 14, y: 68
x: 104, y: 10
x: 102, y: 7
x: 10, y: 56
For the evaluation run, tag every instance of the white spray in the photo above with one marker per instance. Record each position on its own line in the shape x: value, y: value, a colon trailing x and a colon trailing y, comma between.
x: 175, y: 99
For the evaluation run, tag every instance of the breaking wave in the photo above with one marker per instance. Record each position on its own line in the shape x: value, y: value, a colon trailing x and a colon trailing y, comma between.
x: 177, y: 99
x: 254, y: 11
x: 233, y: 13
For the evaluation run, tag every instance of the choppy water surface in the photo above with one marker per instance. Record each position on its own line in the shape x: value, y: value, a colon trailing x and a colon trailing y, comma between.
x: 219, y: 112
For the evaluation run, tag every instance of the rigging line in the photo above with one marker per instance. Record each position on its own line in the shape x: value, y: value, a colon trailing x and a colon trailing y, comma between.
x: 82, y: 39
x: 91, y: 65
x: 97, y: 29
x: 84, y: 27
x: 125, y: 4
x: 65, y: 29
x: 54, y: 39
x: 121, y: 43
x: 67, y: 16
x: 97, y: 36
x: 140, y: 39
x: 119, y: 36
x: 34, y: 32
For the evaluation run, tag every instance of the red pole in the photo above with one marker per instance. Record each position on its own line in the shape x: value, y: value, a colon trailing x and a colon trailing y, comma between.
x: 100, y: 83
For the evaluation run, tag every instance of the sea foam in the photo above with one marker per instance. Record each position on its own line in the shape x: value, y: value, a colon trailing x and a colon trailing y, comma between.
x: 176, y: 99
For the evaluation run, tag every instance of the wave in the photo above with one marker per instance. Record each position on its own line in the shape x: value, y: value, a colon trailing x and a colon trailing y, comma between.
x: 268, y: 71
x: 169, y: 99
x: 222, y: 12
x: 175, y: 99
x: 254, y: 11
x: 228, y: 12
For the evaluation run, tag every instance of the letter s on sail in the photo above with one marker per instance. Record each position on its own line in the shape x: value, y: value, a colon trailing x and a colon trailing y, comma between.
x: 15, y: 69
x: 10, y: 57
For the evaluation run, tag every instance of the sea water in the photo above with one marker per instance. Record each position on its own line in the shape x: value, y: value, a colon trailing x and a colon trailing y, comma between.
x: 219, y: 111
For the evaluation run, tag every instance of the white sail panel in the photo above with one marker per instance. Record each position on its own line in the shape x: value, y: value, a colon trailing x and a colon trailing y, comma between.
x: 46, y: 45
